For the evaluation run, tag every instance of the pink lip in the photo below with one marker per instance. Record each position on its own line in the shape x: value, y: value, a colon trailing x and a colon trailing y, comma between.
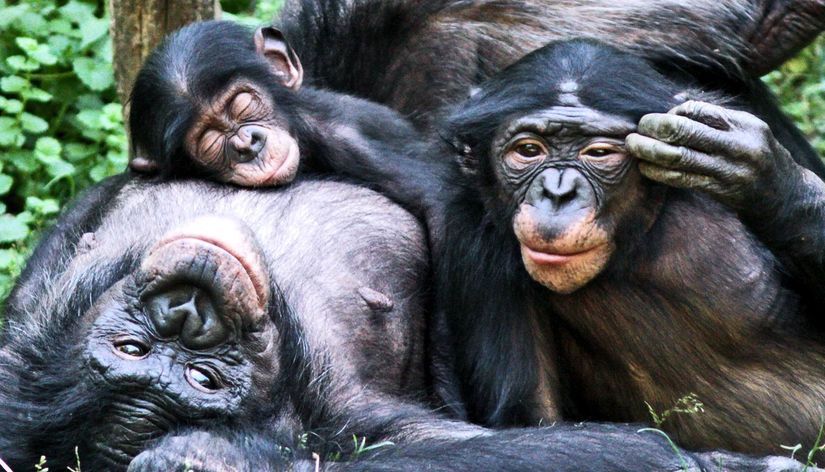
x: 544, y: 258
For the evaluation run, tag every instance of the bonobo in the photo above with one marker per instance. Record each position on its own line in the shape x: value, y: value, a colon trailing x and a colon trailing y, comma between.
x: 645, y: 293
x: 178, y: 326
x: 661, y: 292
x: 218, y: 101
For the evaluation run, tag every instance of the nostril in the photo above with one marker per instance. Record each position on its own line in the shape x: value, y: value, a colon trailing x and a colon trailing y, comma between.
x: 189, y: 314
x: 257, y: 140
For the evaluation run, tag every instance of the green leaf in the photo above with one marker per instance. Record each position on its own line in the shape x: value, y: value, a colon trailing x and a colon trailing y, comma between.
x: 77, y: 12
x: 10, y: 258
x: 13, y: 84
x: 43, y: 55
x: 26, y: 44
x: 35, y: 94
x: 47, y: 147
x: 10, y: 133
x: 33, y: 123
x: 11, y: 106
x: 10, y: 15
x: 18, y: 63
x: 112, y: 117
x: 33, y: 23
x: 95, y: 75
x: 5, y: 183
x: 79, y: 151
x: 93, y: 30
x: 43, y: 207
x: 61, y: 26
x: 23, y: 160
x: 12, y: 229
x: 90, y: 118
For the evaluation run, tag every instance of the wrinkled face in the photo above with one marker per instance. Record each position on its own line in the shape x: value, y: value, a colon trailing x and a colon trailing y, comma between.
x: 240, y: 138
x: 566, y: 173
x: 183, y: 340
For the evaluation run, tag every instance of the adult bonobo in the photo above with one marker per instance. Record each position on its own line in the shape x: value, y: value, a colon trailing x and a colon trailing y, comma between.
x: 185, y: 326
x: 548, y: 243
x: 417, y: 56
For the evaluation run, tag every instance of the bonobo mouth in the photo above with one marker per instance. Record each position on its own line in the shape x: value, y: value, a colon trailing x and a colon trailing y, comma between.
x: 558, y: 257
x: 212, y: 265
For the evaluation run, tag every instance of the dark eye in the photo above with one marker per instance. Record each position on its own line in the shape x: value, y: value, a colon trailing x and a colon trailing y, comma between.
x: 129, y: 348
x: 603, y: 152
x: 598, y: 152
x: 202, y: 378
x: 529, y: 149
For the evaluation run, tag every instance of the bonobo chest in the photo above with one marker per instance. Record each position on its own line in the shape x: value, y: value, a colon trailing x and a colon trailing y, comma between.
x: 697, y: 298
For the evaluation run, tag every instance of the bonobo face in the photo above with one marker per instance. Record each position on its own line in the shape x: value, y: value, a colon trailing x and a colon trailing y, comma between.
x: 563, y: 170
x: 544, y: 139
x: 240, y: 138
x: 184, y: 339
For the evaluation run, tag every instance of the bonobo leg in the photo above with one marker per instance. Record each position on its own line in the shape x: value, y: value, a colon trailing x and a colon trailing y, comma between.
x: 734, y: 157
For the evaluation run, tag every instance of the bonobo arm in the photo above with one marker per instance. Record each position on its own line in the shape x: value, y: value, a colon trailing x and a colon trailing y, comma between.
x: 734, y: 157
x: 558, y: 448
x: 375, y: 146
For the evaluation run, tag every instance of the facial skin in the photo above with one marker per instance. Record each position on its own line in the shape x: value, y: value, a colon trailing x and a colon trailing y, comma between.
x: 242, y: 140
x: 561, y: 169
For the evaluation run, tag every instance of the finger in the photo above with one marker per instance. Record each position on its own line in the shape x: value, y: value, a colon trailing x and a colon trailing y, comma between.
x: 714, y: 116
x: 679, y: 179
x: 683, y: 131
x: 677, y: 158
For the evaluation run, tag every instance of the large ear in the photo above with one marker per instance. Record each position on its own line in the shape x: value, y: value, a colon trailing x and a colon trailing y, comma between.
x: 271, y: 44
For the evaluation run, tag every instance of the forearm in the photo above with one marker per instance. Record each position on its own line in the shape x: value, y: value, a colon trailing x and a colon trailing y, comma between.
x: 792, y: 225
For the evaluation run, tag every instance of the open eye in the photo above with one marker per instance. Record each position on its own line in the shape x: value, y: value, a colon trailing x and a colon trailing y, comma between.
x: 525, y: 152
x: 602, y: 152
x: 530, y: 149
x: 130, y: 349
x: 203, y: 378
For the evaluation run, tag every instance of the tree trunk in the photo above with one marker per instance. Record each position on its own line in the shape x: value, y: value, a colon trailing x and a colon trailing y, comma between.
x: 139, y: 25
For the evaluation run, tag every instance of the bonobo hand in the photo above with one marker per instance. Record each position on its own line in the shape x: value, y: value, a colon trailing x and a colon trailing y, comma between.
x: 732, y: 155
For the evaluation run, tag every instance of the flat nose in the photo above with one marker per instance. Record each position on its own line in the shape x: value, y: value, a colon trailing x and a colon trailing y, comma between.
x: 557, y: 188
x: 205, y: 282
x: 189, y: 313
x: 247, y: 143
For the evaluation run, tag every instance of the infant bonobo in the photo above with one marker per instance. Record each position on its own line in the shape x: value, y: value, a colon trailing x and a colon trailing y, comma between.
x: 215, y: 100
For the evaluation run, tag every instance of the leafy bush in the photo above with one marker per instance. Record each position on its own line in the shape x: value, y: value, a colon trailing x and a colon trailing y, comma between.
x: 60, y: 121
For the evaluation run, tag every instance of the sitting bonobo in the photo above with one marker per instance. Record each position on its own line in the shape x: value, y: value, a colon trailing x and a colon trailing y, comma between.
x: 660, y: 292
x: 216, y: 101
x: 645, y: 292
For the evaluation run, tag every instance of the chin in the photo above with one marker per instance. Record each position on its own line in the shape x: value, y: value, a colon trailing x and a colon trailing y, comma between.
x: 566, y: 274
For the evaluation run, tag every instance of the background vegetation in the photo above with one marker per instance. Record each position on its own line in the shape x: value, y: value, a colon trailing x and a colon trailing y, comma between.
x: 61, y: 127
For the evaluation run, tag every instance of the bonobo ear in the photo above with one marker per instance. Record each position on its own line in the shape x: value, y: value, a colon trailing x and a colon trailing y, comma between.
x: 271, y: 44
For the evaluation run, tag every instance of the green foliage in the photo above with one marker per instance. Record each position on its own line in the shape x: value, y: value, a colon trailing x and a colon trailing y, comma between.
x: 800, y: 85
x: 687, y: 405
x: 61, y: 127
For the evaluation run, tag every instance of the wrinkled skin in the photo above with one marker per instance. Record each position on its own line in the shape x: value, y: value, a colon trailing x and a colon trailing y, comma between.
x: 207, y: 341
